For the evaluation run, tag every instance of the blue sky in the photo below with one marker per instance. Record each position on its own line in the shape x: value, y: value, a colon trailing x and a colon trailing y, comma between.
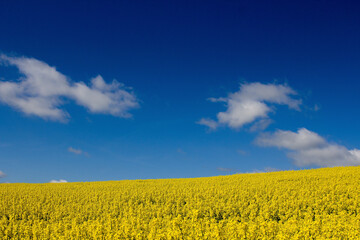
x: 277, y: 82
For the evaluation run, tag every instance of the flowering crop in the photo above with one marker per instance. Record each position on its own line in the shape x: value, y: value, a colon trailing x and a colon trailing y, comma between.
x: 308, y: 204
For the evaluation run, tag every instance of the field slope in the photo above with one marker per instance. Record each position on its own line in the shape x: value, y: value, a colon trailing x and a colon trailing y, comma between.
x: 322, y: 204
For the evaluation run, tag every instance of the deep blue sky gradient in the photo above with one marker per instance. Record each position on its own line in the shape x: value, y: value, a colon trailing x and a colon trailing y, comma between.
x: 175, y: 55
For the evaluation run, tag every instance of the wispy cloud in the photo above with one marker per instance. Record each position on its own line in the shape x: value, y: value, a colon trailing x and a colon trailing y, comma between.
x: 77, y: 151
x: 241, y: 152
x: 316, y: 107
x: 251, y: 103
x: 181, y: 151
x: 222, y: 169
x: 58, y: 181
x: 74, y: 150
x: 266, y: 170
x: 260, y: 125
x: 41, y: 91
x: 2, y: 174
x: 307, y: 148
x: 211, y: 124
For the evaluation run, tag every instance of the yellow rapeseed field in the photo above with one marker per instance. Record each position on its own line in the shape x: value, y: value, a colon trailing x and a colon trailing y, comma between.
x: 307, y: 204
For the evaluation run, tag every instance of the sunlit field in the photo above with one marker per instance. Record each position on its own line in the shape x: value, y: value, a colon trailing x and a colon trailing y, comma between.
x: 307, y: 204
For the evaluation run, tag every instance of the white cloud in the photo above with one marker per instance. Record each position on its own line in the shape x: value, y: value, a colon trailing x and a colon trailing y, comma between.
x: 302, y: 139
x: 41, y: 91
x: 78, y: 151
x: 74, y: 150
x: 266, y: 170
x: 307, y: 148
x: 221, y: 169
x: 251, y: 103
x: 260, y: 125
x: 2, y: 174
x: 58, y: 181
x: 211, y: 124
